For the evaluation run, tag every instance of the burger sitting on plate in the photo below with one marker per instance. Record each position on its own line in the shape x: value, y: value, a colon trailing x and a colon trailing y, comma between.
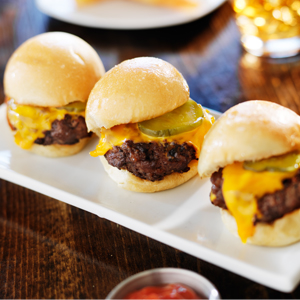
x: 47, y: 82
x: 252, y: 154
x: 151, y: 131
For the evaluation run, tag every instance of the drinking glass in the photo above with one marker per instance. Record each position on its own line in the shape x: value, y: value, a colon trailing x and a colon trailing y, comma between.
x: 269, y: 27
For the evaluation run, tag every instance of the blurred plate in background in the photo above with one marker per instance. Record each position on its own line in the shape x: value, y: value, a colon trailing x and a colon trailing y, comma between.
x: 122, y: 14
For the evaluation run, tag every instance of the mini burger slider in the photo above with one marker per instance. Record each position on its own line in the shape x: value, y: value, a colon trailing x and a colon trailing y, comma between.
x: 47, y: 82
x: 151, y: 132
x: 252, y: 154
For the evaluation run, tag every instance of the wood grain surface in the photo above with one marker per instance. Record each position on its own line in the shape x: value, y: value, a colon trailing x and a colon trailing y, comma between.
x: 49, y: 249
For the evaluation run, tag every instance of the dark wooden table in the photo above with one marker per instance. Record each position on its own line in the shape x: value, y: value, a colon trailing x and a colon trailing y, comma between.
x: 49, y: 249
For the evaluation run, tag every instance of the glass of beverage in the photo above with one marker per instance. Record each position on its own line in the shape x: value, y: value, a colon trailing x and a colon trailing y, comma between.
x: 269, y: 28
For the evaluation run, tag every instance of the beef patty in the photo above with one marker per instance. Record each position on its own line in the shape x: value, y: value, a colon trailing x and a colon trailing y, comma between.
x: 271, y: 206
x: 67, y: 131
x: 151, y: 161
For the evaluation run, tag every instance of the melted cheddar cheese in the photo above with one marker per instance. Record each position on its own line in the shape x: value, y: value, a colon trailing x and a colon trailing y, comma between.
x: 30, y: 122
x: 117, y: 135
x: 241, y: 189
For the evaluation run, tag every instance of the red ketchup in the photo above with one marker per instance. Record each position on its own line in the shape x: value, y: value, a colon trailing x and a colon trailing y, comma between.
x: 168, y: 291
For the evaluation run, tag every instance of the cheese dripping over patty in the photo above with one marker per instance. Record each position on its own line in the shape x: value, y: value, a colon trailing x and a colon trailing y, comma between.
x: 30, y: 122
x: 242, y: 188
x: 117, y: 135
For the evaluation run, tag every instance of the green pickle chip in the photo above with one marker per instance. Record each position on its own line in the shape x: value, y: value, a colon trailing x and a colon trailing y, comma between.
x: 182, y: 119
x: 76, y: 106
x: 283, y: 163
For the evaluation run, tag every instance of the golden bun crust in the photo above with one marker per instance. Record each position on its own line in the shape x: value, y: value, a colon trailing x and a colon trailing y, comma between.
x: 135, y: 90
x: 57, y: 150
x: 52, y: 69
x: 282, y: 232
x: 251, y: 130
x: 130, y: 182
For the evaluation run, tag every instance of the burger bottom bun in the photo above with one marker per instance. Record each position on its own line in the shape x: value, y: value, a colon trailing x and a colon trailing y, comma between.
x: 282, y: 232
x: 57, y: 150
x: 130, y: 182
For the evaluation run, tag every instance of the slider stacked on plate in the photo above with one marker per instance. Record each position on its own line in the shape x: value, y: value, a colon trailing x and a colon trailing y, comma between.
x: 47, y: 82
x: 252, y: 154
x: 151, y: 131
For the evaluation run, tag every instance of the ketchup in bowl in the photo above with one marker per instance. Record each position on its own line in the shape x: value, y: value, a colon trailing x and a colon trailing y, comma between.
x: 168, y: 291
x: 165, y: 283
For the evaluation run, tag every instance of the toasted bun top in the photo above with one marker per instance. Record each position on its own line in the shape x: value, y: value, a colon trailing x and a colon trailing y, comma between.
x: 52, y: 69
x: 251, y: 131
x: 135, y: 90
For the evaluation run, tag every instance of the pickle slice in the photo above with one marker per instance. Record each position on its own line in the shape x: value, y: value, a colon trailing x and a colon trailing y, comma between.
x: 284, y: 163
x: 76, y: 106
x: 184, y: 118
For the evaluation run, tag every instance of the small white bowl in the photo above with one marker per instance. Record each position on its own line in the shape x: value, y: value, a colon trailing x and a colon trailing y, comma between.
x: 200, y: 285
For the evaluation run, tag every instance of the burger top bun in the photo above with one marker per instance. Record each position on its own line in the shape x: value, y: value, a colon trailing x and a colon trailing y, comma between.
x: 251, y: 130
x: 52, y: 69
x: 135, y: 90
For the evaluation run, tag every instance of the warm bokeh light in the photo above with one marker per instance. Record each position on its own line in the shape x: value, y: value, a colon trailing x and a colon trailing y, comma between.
x: 270, y: 19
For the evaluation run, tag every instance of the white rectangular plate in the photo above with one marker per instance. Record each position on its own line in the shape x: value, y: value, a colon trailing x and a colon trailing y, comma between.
x: 182, y: 217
